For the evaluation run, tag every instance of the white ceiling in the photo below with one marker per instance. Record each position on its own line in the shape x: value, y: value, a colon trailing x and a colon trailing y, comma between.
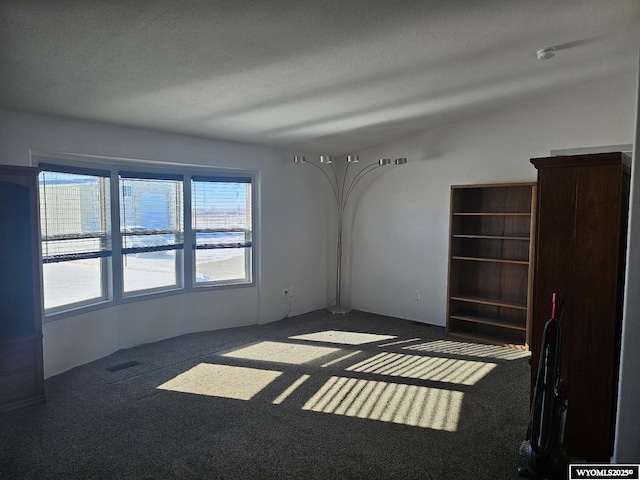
x: 322, y: 75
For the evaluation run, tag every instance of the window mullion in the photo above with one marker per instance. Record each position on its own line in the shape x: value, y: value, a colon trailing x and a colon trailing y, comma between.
x: 248, y: 237
x: 116, y: 241
x: 189, y: 236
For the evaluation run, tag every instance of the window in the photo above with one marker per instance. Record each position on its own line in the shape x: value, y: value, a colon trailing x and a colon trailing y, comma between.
x: 76, y: 236
x: 112, y: 236
x: 221, y: 222
x: 151, y: 212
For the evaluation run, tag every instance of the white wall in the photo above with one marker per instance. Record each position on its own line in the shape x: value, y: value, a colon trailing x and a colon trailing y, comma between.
x: 292, y: 239
x: 627, y: 447
x: 399, y: 242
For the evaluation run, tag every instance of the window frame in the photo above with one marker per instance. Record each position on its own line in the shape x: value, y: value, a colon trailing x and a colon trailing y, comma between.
x: 248, y: 250
x: 179, y: 247
x: 106, y: 260
x: 113, y: 278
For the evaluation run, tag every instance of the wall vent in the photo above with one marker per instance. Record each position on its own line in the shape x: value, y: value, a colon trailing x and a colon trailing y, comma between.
x: 122, y: 366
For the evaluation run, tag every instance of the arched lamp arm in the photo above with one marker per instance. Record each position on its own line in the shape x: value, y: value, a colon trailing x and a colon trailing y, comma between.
x: 361, y: 174
x: 333, y: 186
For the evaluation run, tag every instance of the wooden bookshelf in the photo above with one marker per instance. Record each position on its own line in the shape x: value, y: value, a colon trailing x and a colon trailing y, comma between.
x: 491, y: 262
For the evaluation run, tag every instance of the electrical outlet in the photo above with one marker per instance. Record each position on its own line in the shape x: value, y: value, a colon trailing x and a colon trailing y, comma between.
x: 285, y: 293
x: 418, y: 296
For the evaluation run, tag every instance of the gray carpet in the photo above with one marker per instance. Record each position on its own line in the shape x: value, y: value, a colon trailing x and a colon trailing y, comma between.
x: 309, y: 397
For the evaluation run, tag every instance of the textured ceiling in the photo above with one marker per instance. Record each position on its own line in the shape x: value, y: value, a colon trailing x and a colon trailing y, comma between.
x: 322, y: 75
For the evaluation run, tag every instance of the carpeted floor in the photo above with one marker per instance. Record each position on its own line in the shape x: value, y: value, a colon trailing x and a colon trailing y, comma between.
x: 310, y: 397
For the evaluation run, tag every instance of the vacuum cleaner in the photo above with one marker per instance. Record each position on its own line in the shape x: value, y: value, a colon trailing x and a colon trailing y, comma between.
x: 542, y: 450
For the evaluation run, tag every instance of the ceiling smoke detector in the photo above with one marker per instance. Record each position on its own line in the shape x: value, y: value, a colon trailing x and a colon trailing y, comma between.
x: 546, y: 53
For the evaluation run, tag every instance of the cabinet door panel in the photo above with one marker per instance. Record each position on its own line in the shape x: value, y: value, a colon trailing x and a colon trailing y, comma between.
x: 589, y: 355
x: 18, y: 355
x: 554, y: 246
x: 17, y: 386
x: 16, y: 273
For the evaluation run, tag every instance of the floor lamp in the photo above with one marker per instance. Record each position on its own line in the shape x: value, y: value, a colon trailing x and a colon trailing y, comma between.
x: 342, y: 187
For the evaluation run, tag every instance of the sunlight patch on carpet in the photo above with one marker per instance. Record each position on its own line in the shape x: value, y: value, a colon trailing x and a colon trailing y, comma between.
x: 412, y: 405
x: 438, y: 369
x: 346, y: 356
x: 399, y: 342
x: 280, y: 352
x: 290, y: 389
x: 239, y: 383
x: 344, y: 338
x: 470, y: 349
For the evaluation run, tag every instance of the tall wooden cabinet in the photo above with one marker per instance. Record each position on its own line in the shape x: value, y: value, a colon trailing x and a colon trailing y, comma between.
x: 490, y: 254
x: 21, y: 371
x: 582, y: 210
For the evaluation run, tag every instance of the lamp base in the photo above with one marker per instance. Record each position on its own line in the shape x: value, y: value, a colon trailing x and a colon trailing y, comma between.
x: 338, y: 310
